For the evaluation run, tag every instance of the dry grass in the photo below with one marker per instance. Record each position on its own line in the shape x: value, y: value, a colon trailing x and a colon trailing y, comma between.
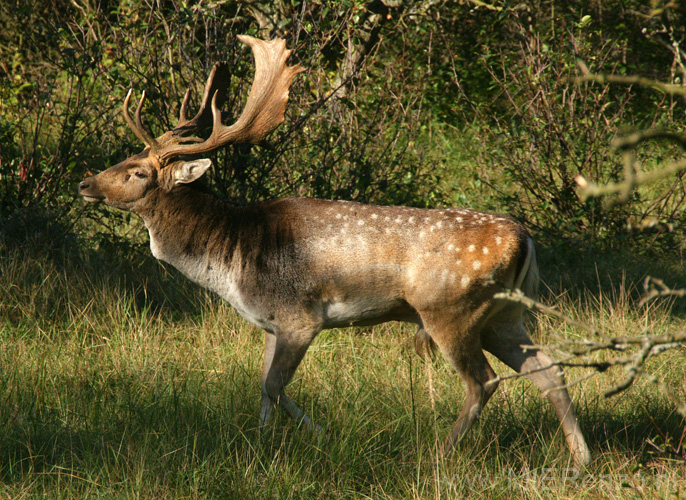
x: 121, y: 384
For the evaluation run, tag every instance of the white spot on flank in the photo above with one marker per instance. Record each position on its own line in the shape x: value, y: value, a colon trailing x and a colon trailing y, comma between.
x: 374, y: 216
x: 411, y: 220
x: 485, y: 250
x: 476, y: 265
x: 450, y: 247
x: 421, y: 234
x: 398, y: 219
x: 464, y: 281
x: 471, y: 248
x: 361, y: 223
x: 439, y: 224
x: 459, y: 219
x: 338, y: 216
x: 498, y: 240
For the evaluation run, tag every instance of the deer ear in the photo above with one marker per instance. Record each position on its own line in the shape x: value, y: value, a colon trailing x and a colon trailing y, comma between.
x: 190, y: 171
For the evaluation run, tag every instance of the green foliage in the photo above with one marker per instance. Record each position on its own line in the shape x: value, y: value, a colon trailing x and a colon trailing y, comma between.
x: 60, y: 107
x: 539, y: 130
x: 120, y: 379
x: 425, y: 103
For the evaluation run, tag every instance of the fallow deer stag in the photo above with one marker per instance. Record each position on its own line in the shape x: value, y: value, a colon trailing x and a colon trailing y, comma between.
x: 295, y: 266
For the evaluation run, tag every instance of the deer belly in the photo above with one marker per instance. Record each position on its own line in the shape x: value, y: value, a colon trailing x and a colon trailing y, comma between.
x: 363, y: 311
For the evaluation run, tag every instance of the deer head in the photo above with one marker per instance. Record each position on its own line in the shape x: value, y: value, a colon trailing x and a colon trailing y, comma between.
x: 174, y: 158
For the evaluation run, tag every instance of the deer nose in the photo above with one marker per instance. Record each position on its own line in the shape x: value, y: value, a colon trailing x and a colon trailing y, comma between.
x: 83, y: 185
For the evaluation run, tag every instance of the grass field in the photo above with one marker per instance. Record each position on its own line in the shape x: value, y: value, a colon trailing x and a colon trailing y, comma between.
x: 119, y: 379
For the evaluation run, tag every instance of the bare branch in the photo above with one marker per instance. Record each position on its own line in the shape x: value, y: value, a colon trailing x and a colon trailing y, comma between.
x: 578, y: 351
x: 587, y: 76
x: 636, y: 138
x: 657, y: 289
x: 624, y: 188
x: 519, y: 297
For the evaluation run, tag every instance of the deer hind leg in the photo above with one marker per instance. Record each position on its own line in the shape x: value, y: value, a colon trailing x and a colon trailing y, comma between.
x: 466, y: 356
x: 282, y: 356
x: 511, y: 344
x: 479, y: 379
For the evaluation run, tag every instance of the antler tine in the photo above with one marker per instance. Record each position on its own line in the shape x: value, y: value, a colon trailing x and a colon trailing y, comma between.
x: 264, y: 109
x: 184, y: 106
x: 217, y: 82
x: 137, y: 127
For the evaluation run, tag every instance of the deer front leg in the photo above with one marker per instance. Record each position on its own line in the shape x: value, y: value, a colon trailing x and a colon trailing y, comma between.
x: 283, y: 353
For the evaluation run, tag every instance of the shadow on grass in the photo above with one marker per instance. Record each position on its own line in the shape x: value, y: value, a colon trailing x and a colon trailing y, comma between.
x: 123, y: 423
x: 39, y: 251
x: 642, y: 432
x: 575, y: 269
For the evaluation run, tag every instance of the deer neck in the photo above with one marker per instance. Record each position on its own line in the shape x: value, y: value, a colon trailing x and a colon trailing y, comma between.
x: 200, y: 235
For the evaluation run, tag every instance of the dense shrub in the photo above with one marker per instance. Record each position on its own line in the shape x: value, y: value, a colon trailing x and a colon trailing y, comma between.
x: 402, y: 102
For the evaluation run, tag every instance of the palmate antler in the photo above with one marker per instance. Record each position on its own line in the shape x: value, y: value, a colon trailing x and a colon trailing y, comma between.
x: 263, y: 112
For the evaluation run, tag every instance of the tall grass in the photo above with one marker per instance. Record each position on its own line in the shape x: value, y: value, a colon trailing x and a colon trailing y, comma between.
x: 121, y: 384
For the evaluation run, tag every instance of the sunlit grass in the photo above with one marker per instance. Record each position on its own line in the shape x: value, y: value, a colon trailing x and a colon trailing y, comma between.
x: 139, y: 385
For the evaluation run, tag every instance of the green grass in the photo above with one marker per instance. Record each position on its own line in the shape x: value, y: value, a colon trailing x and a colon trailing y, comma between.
x: 119, y: 379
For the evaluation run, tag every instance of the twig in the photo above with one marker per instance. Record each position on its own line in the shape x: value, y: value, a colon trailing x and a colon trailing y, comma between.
x: 587, y: 76
x: 519, y: 297
x: 593, y: 190
x: 662, y: 290
x: 578, y: 350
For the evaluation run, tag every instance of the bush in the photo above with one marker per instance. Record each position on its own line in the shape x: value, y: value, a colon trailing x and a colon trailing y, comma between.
x: 542, y: 130
x: 72, y: 67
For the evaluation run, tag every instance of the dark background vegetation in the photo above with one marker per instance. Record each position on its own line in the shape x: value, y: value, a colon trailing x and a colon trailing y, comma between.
x: 427, y: 103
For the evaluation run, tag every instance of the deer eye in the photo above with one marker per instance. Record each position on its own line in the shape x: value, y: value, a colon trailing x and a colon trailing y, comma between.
x: 140, y: 175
